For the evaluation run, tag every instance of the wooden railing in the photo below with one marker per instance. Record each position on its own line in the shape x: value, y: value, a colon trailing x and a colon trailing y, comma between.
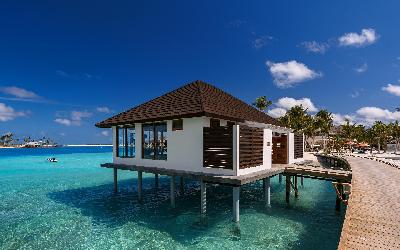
x: 218, y: 147
x: 334, y: 162
x: 298, y: 145
x: 251, y: 144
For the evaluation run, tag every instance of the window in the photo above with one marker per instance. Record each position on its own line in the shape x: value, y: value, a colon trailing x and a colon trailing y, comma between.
x: 214, y: 123
x: 126, y: 142
x: 155, y: 141
x: 177, y: 124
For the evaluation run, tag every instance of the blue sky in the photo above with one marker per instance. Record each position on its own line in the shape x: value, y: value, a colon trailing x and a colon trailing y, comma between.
x: 65, y: 65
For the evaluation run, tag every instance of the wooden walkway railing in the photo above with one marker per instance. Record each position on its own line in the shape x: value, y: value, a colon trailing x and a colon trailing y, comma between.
x: 373, y: 214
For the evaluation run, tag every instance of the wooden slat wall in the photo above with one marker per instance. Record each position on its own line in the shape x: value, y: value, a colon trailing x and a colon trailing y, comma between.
x: 251, y: 143
x: 298, y: 145
x: 217, y: 147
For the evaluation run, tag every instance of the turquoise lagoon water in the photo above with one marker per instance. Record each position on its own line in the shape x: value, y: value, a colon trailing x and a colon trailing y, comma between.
x: 71, y: 205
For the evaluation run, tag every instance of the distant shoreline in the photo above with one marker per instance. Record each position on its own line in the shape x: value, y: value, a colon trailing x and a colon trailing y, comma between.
x: 71, y: 145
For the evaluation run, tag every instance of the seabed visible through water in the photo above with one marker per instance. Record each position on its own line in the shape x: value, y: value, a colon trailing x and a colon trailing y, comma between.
x: 71, y: 205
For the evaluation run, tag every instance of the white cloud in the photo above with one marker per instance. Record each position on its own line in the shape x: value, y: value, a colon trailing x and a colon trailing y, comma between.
x: 277, y: 112
x: 362, y: 68
x: 261, y: 41
x: 287, y: 74
x: 366, y: 37
x: 368, y: 115
x: 339, y: 119
x: 392, y: 89
x: 7, y: 113
x: 63, y: 121
x: 315, y: 47
x: 18, y: 92
x: 288, y: 102
x: 103, y: 110
x: 75, y: 118
x: 105, y: 133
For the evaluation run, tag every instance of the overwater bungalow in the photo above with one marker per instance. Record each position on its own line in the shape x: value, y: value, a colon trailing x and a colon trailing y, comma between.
x: 200, y: 132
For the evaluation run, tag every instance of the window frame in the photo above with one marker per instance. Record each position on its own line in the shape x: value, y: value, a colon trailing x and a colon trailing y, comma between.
x: 154, y: 147
x: 180, y: 122
x: 125, y: 144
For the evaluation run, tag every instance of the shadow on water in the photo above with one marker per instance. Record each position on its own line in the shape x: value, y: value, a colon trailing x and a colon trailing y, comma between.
x: 184, y: 222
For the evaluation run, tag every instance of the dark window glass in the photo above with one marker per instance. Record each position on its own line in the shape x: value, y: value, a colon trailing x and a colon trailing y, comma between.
x: 214, y: 123
x: 230, y: 124
x: 126, y: 142
x: 177, y: 124
x: 155, y: 141
x: 148, y: 141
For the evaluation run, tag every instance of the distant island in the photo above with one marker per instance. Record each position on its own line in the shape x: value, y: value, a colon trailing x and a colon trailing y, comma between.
x: 8, y: 140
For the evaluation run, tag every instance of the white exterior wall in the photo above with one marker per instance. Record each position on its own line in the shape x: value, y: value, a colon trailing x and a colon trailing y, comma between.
x: 291, y: 149
x: 185, y: 149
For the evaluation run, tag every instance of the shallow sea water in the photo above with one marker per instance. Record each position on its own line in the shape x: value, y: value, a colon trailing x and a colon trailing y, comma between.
x: 71, y: 205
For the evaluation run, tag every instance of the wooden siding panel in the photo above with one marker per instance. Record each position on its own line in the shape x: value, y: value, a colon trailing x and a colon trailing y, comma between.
x: 218, y: 147
x: 298, y: 145
x: 251, y: 147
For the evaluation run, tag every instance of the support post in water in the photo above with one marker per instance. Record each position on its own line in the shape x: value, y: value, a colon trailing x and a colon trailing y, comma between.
x: 296, y: 190
x: 203, y: 197
x: 267, y: 191
x: 115, y: 181
x: 156, y: 180
x: 172, y: 191
x: 280, y: 178
x: 287, y: 189
x: 139, y: 189
x: 181, y: 185
x: 302, y: 181
x: 340, y: 190
x: 236, y: 198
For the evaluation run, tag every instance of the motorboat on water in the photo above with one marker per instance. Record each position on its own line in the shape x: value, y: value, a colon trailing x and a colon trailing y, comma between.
x: 52, y: 159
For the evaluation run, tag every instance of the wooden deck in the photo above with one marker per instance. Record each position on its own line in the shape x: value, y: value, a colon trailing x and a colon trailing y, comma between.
x: 373, y: 214
x: 318, y: 172
x: 210, y: 178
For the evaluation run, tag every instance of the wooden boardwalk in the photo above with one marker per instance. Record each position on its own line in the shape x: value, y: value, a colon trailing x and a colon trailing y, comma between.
x: 373, y: 214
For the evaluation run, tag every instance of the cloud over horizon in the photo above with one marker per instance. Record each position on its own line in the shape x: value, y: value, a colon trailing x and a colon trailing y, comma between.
x: 18, y: 92
x: 7, y: 113
x: 288, y: 74
x: 286, y: 103
x: 74, y: 119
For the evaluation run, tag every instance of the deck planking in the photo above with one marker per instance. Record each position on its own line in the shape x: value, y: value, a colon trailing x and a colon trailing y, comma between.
x: 372, y: 218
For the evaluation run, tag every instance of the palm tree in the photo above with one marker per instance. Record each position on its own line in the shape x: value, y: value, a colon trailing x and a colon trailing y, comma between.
x: 394, y: 132
x: 262, y: 103
x: 295, y: 118
x: 381, y: 133
x: 325, y: 123
x: 311, y: 129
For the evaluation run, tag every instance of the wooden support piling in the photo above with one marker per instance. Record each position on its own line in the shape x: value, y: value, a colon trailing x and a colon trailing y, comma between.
x: 203, y: 198
x: 296, y: 189
x: 172, y: 191
x: 236, y: 206
x: 115, y: 180
x: 156, y: 180
x: 267, y: 191
x: 340, y: 190
x: 280, y: 178
x: 140, y: 175
x: 302, y: 181
x: 181, y: 186
x: 287, y: 189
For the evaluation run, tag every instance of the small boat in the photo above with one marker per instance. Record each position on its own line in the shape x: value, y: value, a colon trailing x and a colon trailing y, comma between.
x: 52, y: 159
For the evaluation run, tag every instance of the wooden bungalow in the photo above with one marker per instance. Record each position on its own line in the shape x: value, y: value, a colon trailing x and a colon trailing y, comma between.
x: 199, y: 131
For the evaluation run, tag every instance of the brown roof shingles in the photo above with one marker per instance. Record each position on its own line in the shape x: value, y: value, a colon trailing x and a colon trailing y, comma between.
x: 192, y: 100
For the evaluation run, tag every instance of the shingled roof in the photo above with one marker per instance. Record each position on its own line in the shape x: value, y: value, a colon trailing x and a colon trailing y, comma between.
x: 192, y: 100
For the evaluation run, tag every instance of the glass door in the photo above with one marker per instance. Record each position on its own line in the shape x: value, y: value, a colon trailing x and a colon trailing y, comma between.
x: 161, y: 141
